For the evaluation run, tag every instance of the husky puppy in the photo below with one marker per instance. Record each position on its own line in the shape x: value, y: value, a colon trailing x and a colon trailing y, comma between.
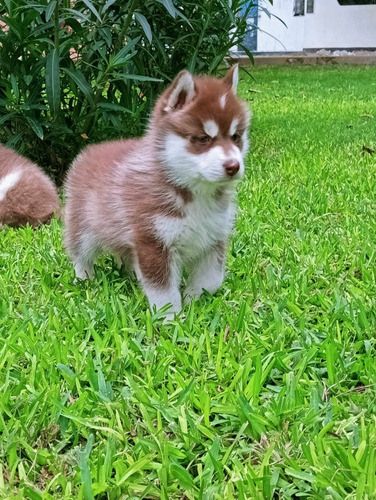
x: 165, y: 201
x: 27, y: 195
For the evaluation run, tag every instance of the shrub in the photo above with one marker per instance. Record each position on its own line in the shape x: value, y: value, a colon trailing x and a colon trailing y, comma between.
x: 75, y: 71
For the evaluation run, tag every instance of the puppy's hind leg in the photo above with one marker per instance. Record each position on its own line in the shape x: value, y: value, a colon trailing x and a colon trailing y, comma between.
x: 207, y: 272
x: 83, y: 269
x: 84, y: 256
x: 124, y: 260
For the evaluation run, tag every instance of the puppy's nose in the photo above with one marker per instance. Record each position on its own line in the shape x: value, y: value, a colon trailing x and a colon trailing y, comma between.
x: 231, y: 167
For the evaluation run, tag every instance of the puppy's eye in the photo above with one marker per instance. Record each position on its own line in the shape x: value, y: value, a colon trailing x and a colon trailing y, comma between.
x: 236, y: 137
x: 204, y: 139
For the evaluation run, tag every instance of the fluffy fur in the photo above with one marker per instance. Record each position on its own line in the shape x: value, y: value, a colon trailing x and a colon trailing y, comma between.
x: 164, y: 202
x: 27, y: 195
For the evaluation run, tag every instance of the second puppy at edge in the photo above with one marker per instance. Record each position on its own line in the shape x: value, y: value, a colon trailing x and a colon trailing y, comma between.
x: 165, y: 201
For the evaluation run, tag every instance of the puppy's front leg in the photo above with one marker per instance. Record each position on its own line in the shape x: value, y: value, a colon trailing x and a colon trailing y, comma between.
x: 159, y: 273
x: 207, y: 273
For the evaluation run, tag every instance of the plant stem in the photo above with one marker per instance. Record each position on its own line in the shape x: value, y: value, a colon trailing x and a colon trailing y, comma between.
x: 192, y: 63
x: 57, y: 26
x: 125, y: 27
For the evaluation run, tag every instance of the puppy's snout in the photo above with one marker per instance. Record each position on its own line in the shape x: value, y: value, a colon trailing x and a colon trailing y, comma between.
x: 231, y: 167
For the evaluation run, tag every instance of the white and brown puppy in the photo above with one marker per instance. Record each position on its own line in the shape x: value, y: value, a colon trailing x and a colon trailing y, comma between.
x: 164, y: 202
x: 27, y: 195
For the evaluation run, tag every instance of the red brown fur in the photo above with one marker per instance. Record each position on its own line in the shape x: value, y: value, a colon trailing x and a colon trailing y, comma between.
x: 94, y: 175
x: 33, y: 199
x: 122, y: 196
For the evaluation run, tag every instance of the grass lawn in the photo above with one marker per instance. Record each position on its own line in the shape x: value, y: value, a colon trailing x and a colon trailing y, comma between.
x: 266, y: 390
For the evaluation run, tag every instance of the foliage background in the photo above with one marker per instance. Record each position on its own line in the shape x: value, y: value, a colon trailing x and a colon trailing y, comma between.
x: 75, y: 71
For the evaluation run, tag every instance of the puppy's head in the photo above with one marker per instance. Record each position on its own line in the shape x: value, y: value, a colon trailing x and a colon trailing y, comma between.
x: 202, y: 129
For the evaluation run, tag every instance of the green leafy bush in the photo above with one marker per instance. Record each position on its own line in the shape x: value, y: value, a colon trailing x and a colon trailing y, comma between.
x: 75, y: 71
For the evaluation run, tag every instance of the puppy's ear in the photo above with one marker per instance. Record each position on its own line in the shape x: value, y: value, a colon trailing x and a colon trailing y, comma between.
x: 232, y: 78
x: 182, y: 91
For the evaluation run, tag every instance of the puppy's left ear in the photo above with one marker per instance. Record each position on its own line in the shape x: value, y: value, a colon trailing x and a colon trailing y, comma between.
x: 232, y: 78
x: 182, y: 91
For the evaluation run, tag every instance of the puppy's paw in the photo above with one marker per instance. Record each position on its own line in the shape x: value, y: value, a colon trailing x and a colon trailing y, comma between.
x: 168, y: 317
x: 191, y: 294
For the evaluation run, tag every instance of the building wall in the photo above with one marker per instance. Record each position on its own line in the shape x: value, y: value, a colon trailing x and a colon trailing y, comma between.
x: 290, y: 38
x: 330, y: 26
x: 336, y: 26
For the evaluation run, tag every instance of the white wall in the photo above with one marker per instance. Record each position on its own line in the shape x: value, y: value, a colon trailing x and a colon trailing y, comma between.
x: 289, y: 39
x: 330, y: 26
x: 336, y: 26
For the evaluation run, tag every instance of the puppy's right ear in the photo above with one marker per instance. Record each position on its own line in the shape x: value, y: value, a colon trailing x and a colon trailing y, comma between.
x: 232, y: 78
x: 182, y: 92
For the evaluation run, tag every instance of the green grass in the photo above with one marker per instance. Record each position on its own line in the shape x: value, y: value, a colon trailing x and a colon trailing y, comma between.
x: 266, y: 390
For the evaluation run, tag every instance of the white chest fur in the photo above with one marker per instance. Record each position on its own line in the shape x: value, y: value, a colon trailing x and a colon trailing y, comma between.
x: 205, y: 222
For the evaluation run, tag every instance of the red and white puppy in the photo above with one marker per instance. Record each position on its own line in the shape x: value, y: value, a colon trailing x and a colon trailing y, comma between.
x: 27, y: 195
x: 164, y: 202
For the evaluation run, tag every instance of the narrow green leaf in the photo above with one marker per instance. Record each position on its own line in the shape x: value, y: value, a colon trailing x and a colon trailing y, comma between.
x: 301, y: 475
x: 257, y: 423
x: 182, y: 16
x: 53, y: 81
x: 331, y: 354
x: 66, y: 369
x: 145, y: 25
x: 6, y: 117
x: 139, y: 78
x: 50, y: 9
x: 15, y: 88
x: 248, y: 53
x: 183, y: 476
x: 125, y: 52
x: 83, y: 463
x: 113, y: 106
x: 107, y: 5
x: 169, y: 6
x: 135, y: 467
x: 184, y: 395
x: 81, y: 82
x: 15, y: 140
x: 240, y: 320
x: 121, y: 61
x: 110, y: 453
x: 217, y: 465
x: 29, y: 492
x: 93, y: 9
x: 257, y: 378
x: 37, y: 128
x: 78, y: 14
